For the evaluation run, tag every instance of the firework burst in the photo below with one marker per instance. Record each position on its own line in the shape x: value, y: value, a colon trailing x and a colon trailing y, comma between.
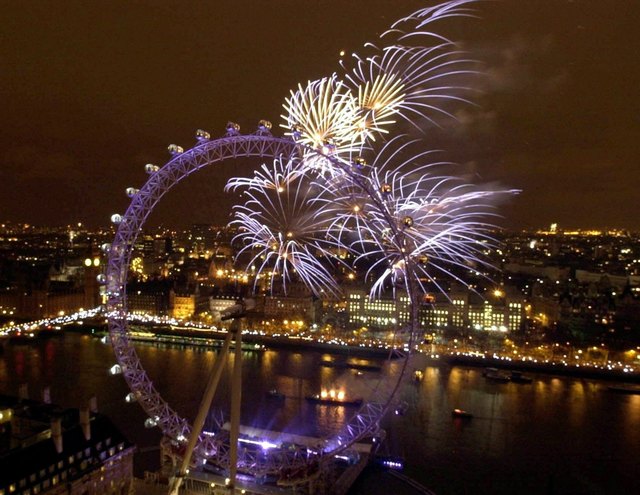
x: 280, y: 227
x: 398, y: 215
x: 323, y: 115
x: 422, y: 221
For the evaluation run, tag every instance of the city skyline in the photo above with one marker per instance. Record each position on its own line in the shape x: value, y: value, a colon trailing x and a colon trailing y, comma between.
x: 94, y: 92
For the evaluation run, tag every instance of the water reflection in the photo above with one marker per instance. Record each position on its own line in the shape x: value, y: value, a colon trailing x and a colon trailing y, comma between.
x: 573, y: 434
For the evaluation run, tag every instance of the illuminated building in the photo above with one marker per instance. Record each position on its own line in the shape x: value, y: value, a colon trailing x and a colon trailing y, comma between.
x: 183, y: 304
x: 458, y: 310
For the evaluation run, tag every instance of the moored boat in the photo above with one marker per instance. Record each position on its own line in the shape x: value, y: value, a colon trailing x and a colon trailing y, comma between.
x: 495, y: 375
x: 518, y: 377
x: 354, y: 366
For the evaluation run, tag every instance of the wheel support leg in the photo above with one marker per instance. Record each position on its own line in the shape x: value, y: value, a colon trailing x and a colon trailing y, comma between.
x: 209, y: 392
x: 236, y: 398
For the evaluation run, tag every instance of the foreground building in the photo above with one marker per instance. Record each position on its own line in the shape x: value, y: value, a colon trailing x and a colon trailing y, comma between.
x: 45, y: 449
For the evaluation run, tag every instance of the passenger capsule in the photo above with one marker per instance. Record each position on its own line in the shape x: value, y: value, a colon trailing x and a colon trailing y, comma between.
x: 130, y: 397
x: 328, y: 146
x: 115, y: 369
x: 264, y: 125
x: 296, y: 131
x: 150, y: 168
x: 132, y: 191
x: 360, y: 162
x: 174, y: 149
x: 150, y: 423
x: 102, y: 279
x: 407, y: 222
x: 116, y: 218
x: 105, y: 247
x: 202, y: 136
x: 385, y: 189
x: 233, y: 129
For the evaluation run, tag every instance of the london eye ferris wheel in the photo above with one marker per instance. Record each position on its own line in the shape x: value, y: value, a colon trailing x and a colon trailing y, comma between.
x: 338, y: 181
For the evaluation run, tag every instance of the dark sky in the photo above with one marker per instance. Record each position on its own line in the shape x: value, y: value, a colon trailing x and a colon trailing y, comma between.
x: 93, y: 90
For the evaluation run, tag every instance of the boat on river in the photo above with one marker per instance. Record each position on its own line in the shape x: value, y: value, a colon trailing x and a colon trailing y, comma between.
x: 461, y: 413
x: 496, y: 375
x: 519, y: 377
x: 353, y: 366
x: 333, y: 397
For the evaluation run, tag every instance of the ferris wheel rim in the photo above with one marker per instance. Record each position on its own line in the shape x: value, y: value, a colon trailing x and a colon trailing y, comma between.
x: 182, y: 165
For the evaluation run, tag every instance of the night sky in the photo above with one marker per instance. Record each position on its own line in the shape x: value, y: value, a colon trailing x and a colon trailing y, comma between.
x: 93, y: 90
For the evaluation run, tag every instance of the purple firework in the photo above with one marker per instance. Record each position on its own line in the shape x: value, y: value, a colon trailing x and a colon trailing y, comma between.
x: 281, y: 228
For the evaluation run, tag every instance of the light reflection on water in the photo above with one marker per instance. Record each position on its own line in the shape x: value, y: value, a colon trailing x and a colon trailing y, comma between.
x: 556, y: 435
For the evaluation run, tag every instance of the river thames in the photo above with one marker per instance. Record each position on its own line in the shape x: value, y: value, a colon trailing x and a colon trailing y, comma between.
x: 557, y: 435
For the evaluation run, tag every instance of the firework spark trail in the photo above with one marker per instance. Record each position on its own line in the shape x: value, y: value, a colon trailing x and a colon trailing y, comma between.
x: 416, y: 22
x: 408, y: 83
